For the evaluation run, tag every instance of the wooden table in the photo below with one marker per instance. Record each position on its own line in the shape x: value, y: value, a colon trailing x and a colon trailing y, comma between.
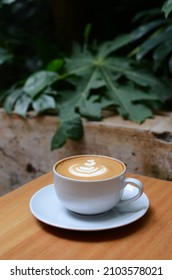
x: 24, y: 237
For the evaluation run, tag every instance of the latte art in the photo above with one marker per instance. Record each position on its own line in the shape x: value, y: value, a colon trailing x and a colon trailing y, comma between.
x: 89, y: 169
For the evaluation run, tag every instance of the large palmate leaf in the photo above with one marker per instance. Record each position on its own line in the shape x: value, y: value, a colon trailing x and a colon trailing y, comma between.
x: 106, y: 73
x: 101, y: 79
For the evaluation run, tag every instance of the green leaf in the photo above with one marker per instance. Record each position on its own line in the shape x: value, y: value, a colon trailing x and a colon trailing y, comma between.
x: 39, y: 81
x: 59, y: 138
x: 55, y: 65
x: 122, y: 65
x: 4, y: 56
x: 80, y: 63
x: 89, y: 109
x: 115, y: 80
x: 125, y: 99
x: 87, y: 32
x: 163, y: 50
x: 43, y: 102
x: 70, y: 127
x: 7, y: 1
x: 22, y: 105
x: 70, y: 121
x: 13, y: 96
x: 153, y: 42
x: 73, y: 126
x: 146, y: 28
x: 138, y: 112
x: 167, y: 7
x: 162, y: 90
x: 87, y: 105
x: 107, y: 48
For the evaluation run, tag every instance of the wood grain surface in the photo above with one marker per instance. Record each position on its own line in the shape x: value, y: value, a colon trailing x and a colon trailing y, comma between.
x: 23, y: 237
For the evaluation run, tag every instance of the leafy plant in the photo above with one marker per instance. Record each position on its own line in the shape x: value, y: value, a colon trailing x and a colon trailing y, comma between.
x: 93, y: 80
x: 119, y: 75
x: 167, y: 7
x: 36, y: 93
x: 4, y: 56
x: 27, y: 40
x: 155, y: 35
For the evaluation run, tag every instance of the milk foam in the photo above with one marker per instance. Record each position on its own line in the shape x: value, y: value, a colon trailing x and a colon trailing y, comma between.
x: 89, y: 169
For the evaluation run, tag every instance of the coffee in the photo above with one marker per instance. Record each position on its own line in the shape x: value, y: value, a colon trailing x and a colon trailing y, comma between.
x: 90, y: 167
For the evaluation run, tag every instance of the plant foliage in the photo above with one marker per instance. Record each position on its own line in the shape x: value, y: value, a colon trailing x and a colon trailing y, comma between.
x: 155, y: 35
x: 129, y: 75
x: 167, y: 7
x: 92, y: 80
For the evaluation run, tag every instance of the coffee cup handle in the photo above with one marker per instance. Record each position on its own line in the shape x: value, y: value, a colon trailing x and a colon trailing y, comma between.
x: 136, y: 183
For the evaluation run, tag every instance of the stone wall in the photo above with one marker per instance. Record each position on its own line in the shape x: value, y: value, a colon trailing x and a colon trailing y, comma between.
x: 25, y: 146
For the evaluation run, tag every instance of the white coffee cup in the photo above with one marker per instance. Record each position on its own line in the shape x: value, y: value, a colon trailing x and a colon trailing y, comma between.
x: 92, y: 194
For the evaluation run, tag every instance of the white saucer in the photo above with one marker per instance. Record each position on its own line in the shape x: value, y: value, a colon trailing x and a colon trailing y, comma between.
x: 46, y: 207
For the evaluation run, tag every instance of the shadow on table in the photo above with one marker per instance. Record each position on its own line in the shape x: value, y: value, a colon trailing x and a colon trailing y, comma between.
x: 100, y: 235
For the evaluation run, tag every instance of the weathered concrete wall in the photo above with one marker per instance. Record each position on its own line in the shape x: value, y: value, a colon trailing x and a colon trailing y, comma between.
x: 25, y: 146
